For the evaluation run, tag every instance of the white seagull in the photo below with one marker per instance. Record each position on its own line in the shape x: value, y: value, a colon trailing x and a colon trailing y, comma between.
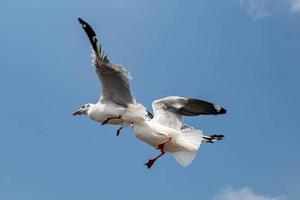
x: 117, y: 104
x: 167, y: 132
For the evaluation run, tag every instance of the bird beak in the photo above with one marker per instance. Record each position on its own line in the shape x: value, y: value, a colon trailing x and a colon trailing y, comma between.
x: 78, y: 112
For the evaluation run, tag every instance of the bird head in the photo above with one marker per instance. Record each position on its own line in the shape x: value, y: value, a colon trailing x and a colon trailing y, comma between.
x: 83, y: 109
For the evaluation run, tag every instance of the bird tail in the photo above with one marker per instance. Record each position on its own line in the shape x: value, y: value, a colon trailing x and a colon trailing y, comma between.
x: 93, y: 40
x: 194, y: 139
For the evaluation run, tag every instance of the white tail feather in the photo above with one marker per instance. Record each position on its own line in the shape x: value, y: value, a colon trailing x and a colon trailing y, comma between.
x: 194, y: 138
x: 184, y: 158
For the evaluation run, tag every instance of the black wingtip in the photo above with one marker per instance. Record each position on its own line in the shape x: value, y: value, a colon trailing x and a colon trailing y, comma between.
x: 91, y: 35
x: 222, y: 111
x: 86, y: 26
x: 80, y: 20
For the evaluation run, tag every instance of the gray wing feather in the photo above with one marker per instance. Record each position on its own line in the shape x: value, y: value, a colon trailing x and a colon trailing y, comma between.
x: 194, y: 107
x: 114, y: 77
x: 115, y: 83
x: 170, y: 110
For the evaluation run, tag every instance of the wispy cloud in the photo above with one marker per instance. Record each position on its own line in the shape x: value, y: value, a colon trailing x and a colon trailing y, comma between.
x: 295, y: 6
x: 264, y: 8
x: 243, y: 194
x: 256, y: 8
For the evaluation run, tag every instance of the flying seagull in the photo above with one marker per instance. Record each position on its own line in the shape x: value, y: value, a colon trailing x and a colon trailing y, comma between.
x: 167, y: 132
x: 117, y: 104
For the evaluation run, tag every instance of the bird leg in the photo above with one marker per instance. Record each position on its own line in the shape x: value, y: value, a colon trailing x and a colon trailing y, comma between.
x: 108, y: 119
x: 119, y: 129
x: 212, y: 138
x: 162, y: 145
x: 162, y: 152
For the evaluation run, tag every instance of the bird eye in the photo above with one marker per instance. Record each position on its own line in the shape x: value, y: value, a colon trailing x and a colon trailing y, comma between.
x: 82, y: 106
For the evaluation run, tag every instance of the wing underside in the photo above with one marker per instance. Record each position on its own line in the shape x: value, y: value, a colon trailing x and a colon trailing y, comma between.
x: 114, y: 78
x: 169, y: 110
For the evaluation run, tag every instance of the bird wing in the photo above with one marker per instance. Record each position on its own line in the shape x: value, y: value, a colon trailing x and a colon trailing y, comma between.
x: 169, y: 110
x: 114, y: 78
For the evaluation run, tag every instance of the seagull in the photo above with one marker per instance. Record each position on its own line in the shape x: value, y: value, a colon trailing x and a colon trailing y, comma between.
x: 167, y: 133
x: 116, y: 105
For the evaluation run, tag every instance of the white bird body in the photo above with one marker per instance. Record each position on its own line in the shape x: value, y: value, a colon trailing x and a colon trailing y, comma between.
x: 117, y: 105
x: 154, y: 134
x: 100, y: 112
x: 135, y: 112
x: 183, y: 144
x: 167, y: 132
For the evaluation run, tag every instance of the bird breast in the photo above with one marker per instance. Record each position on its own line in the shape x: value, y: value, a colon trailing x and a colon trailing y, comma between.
x: 101, y: 112
x: 150, y: 133
x: 154, y: 134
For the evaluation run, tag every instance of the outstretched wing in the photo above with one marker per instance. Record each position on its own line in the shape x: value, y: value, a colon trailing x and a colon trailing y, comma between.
x: 169, y: 111
x: 114, y: 78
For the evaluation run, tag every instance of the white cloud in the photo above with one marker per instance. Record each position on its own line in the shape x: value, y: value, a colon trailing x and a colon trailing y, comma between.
x: 295, y: 6
x: 256, y: 8
x: 243, y: 194
x: 265, y: 8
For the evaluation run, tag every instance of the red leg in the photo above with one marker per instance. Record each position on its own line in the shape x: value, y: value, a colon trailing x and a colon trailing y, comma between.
x: 162, y: 145
x: 162, y: 152
x: 118, y: 131
x: 152, y: 161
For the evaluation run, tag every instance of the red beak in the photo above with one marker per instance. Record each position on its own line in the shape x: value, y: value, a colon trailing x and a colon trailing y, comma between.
x: 76, y: 113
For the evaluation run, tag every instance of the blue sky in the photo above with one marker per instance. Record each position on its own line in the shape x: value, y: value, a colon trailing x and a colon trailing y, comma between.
x: 243, y: 55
